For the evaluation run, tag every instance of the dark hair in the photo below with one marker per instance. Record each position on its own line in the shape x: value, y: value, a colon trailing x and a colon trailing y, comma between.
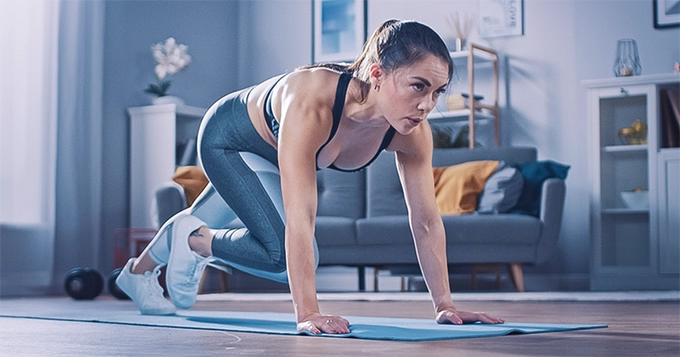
x: 395, y: 44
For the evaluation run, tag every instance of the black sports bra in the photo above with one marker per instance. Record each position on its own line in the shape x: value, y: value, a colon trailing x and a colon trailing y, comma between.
x: 338, y: 106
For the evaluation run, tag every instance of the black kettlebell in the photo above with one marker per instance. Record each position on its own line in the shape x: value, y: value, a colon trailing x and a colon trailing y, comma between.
x: 113, y: 287
x: 83, y: 283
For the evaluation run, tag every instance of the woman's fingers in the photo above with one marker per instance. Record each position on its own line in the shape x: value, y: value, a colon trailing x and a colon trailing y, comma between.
x: 459, y: 317
x: 488, y: 319
x: 325, y: 324
x: 336, y: 324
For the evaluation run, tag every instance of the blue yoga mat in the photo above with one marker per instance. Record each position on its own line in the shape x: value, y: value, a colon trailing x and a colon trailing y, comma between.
x: 375, y: 328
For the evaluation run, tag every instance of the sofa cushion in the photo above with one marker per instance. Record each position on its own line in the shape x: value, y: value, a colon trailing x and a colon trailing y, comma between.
x: 534, y: 173
x: 457, y: 187
x: 461, y: 229
x: 501, y: 190
x: 192, y: 179
x: 341, y: 194
x: 492, y: 229
x: 511, y: 155
x: 384, y: 196
x: 384, y: 230
x: 335, y: 231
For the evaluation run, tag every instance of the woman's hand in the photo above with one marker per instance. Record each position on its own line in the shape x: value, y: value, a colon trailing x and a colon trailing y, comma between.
x: 318, y: 323
x: 453, y: 316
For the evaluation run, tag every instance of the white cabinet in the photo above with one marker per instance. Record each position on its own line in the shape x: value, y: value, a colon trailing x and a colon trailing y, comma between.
x: 628, y: 240
x: 486, y: 111
x: 160, y: 135
x: 669, y: 211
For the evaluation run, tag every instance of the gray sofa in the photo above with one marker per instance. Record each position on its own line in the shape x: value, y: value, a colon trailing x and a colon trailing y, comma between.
x: 362, y: 218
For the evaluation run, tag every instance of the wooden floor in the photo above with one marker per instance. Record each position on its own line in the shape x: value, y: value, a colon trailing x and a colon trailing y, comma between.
x: 635, y: 329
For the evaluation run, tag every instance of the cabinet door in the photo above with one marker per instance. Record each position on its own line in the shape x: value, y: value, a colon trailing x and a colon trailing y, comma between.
x: 624, y: 239
x: 669, y: 212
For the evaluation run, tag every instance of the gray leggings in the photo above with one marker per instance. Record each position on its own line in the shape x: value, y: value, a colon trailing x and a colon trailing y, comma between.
x: 244, y: 192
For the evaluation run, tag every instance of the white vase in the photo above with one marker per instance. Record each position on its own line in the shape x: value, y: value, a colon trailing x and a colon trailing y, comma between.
x: 167, y: 99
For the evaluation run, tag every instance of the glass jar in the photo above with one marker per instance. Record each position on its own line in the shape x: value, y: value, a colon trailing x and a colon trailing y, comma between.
x: 627, y: 60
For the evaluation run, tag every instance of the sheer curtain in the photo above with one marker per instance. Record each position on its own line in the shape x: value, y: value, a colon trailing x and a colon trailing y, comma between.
x: 28, y: 102
x: 50, y: 141
x: 28, y: 116
x: 79, y: 136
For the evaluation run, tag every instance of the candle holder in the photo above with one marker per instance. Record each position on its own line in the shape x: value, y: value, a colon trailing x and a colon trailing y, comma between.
x: 627, y: 60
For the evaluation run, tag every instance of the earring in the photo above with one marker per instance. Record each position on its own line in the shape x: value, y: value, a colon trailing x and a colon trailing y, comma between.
x: 377, y: 87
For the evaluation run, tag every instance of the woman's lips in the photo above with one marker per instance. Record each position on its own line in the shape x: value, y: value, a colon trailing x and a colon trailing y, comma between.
x: 414, y: 121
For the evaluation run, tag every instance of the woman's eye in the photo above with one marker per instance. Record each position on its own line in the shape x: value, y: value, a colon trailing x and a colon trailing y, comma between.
x: 418, y: 86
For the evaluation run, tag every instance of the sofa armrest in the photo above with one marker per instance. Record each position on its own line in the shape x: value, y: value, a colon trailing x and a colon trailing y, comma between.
x: 168, y: 200
x: 552, y: 207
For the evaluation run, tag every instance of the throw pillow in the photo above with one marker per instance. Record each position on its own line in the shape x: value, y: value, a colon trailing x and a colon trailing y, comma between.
x: 502, y: 190
x: 457, y: 187
x: 534, y: 173
x: 192, y: 179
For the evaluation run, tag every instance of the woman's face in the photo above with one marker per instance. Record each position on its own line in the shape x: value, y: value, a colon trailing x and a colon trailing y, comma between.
x: 408, y: 94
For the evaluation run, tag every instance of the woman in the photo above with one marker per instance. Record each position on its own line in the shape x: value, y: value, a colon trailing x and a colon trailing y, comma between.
x: 260, y: 149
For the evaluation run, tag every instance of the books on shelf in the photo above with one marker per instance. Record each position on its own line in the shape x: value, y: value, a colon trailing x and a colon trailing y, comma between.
x: 670, y: 118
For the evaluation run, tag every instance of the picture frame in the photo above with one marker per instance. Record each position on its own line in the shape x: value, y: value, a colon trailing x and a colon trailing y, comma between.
x: 338, y: 30
x: 666, y: 13
x: 499, y: 18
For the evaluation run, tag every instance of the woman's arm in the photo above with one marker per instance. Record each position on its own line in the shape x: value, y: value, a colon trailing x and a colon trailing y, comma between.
x: 414, y: 164
x: 305, y: 126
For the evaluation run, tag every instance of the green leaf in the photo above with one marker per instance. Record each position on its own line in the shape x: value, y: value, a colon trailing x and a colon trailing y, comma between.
x: 160, y: 89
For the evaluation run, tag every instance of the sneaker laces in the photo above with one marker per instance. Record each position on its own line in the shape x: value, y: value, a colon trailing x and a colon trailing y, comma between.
x: 151, y: 282
x: 195, y: 270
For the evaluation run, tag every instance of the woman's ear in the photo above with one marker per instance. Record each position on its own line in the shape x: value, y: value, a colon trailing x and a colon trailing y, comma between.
x: 375, y: 74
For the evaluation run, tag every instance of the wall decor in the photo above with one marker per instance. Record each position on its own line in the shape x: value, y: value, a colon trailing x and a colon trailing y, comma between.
x: 666, y: 13
x: 339, y: 29
x: 501, y: 18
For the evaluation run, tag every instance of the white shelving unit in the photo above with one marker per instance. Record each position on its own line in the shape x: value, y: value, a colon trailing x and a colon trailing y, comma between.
x: 629, y: 244
x: 156, y: 133
x: 484, y: 111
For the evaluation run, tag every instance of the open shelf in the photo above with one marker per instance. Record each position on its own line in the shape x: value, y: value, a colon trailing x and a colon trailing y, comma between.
x: 485, y: 110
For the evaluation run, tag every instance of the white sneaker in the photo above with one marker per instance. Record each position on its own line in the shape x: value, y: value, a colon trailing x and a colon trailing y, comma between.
x: 145, y: 290
x: 185, y: 267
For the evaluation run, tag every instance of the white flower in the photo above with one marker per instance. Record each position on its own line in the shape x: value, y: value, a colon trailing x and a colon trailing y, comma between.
x: 171, y: 57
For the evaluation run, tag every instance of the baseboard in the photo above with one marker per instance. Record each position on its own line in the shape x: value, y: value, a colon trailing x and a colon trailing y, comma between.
x: 331, y: 279
x: 33, y: 283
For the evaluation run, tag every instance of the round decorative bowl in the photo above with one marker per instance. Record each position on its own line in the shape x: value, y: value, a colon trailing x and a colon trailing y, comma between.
x: 638, y: 200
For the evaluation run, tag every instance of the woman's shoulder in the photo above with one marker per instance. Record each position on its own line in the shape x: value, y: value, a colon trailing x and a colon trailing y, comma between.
x: 314, y: 85
x: 313, y: 78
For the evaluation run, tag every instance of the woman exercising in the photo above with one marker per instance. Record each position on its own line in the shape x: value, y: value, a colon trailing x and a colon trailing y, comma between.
x: 260, y: 148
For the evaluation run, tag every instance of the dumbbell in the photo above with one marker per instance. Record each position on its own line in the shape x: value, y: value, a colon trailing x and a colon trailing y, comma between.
x: 113, y: 287
x: 83, y: 283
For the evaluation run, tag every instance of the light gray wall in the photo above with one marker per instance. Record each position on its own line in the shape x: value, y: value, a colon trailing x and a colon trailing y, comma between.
x: 543, y: 103
x: 209, y: 28
x: 276, y: 38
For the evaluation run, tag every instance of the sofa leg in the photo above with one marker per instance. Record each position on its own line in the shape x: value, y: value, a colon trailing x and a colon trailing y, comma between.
x: 517, y: 276
x: 485, y: 268
x: 362, y: 278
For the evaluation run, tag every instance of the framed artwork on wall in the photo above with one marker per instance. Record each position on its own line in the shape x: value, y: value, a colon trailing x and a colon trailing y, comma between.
x: 666, y: 13
x: 501, y: 18
x: 339, y: 29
